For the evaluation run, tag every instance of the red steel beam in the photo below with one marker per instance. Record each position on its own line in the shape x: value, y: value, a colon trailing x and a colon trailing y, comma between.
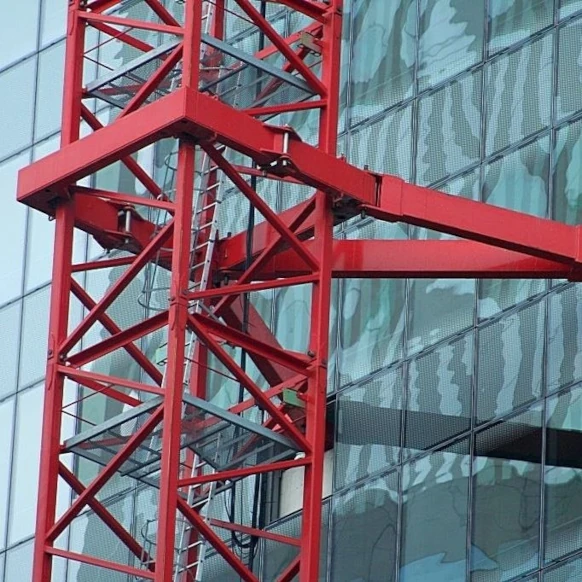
x: 99, y: 563
x: 399, y: 259
x: 477, y: 221
x: 59, y: 310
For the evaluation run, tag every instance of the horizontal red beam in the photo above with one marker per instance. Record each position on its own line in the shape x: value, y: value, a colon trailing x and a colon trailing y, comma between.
x: 49, y: 177
x: 446, y: 259
x: 516, y: 231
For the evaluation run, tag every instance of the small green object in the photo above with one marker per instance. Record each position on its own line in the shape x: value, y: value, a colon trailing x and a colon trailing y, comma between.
x: 292, y: 398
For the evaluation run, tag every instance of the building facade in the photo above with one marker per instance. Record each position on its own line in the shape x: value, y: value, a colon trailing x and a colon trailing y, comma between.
x: 457, y: 403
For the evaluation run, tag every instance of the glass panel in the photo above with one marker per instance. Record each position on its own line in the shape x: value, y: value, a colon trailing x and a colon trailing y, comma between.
x: 563, y: 475
x: 364, y: 532
x: 19, y: 563
x: 518, y: 95
x: 567, y: 202
x: 368, y: 428
x: 506, y: 498
x: 9, y: 336
x: 511, y: 355
x: 438, y: 406
x: 438, y: 308
x: 383, y: 55
x: 51, y: 63
x: 565, y: 337
x: 18, y: 31
x: 16, y: 101
x: 569, y: 98
x: 6, y: 425
x: 435, y: 497
x: 520, y: 180
x: 26, y: 464
x: 569, y: 572
x: 34, y: 339
x: 367, y: 146
x: 451, y: 38
x: 54, y: 20
x: 12, y: 233
x: 510, y: 22
x: 449, y: 129
x: 39, y: 249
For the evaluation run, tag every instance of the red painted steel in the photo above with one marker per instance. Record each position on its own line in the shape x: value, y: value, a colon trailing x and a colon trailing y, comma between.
x: 293, y: 247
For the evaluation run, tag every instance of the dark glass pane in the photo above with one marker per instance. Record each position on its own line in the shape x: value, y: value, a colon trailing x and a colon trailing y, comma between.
x: 365, y: 531
x: 569, y: 98
x: 435, y: 495
x: 449, y: 129
x: 439, y: 398
x: 511, y: 22
x: 510, y: 362
x: 567, y: 203
x: 565, y: 337
x: 563, y: 475
x: 383, y: 54
x: 520, y: 180
x: 368, y: 428
x: 518, y: 95
x: 506, y: 498
x: 451, y: 38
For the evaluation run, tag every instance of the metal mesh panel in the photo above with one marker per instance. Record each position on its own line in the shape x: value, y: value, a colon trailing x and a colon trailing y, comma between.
x: 569, y: 98
x: 507, y: 473
x: 386, y: 145
x: 510, y: 362
x: 438, y: 308
x: 435, y: 496
x: 368, y: 428
x: 510, y: 23
x: 569, y: 572
x: 439, y: 395
x: 363, y: 545
x: 563, y: 475
x: 517, y: 96
x: 277, y: 556
x: 449, y: 135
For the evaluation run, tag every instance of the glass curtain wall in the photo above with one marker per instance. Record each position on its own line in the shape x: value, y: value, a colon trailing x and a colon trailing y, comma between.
x: 465, y: 467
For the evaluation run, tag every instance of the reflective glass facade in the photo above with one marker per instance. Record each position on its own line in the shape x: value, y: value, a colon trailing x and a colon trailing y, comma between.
x: 458, y: 403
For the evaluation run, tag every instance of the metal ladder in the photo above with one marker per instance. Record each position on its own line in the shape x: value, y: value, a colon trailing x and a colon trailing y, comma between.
x: 183, y: 567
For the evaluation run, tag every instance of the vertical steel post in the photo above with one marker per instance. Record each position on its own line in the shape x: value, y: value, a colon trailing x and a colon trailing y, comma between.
x: 59, y: 306
x: 178, y: 314
x: 319, y: 332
